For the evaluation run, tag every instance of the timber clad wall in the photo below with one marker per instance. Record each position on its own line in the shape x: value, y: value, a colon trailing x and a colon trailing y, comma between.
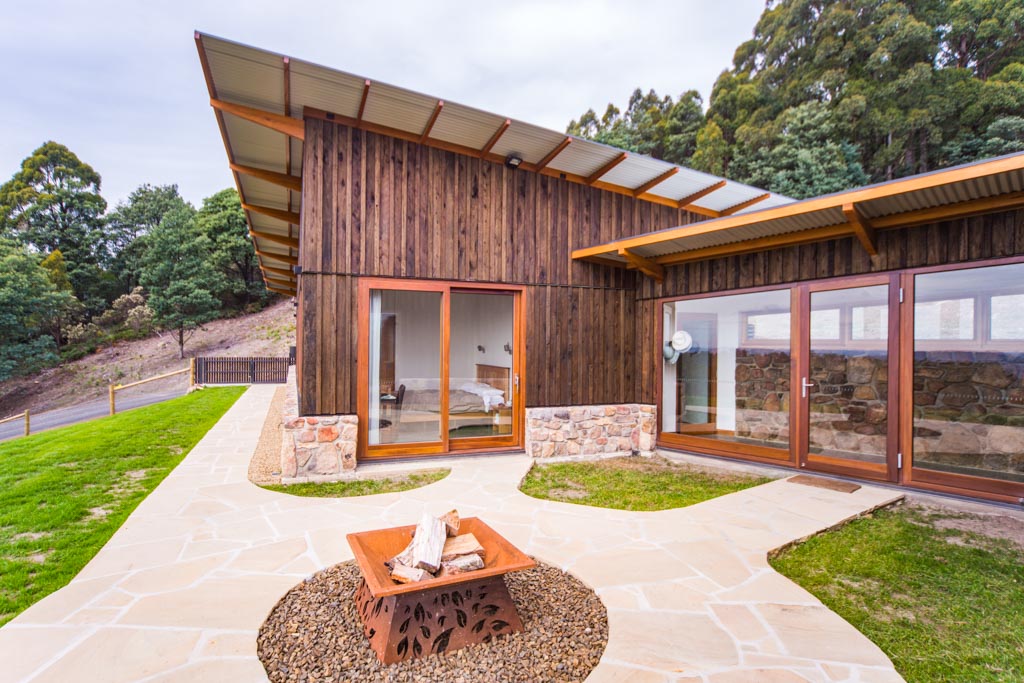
x: 378, y: 206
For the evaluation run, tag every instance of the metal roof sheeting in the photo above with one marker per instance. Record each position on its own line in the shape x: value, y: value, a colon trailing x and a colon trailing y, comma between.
x: 240, y: 74
x: 960, y: 189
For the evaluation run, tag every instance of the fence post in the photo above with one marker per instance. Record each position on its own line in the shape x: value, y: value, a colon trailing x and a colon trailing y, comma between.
x: 113, y: 409
x: 191, y: 372
x: 28, y: 426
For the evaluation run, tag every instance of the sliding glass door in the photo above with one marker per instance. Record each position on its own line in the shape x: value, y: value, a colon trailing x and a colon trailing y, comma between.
x: 439, y: 368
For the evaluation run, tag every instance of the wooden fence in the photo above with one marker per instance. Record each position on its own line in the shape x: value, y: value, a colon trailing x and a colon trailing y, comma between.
x: 20, y: 416
x: 265, y: 370
x: 114, y: 388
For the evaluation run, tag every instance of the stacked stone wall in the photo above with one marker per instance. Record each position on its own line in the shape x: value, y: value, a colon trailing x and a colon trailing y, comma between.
x: 605, y: 430
x: 321, y: 447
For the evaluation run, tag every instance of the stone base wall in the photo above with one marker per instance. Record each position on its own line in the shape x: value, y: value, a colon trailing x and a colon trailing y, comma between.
x: 321, y: 447
x: 606, y: 430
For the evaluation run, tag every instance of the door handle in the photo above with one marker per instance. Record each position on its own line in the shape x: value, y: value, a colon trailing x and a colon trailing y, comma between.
x: 516, y: 380
x: 804, y: 386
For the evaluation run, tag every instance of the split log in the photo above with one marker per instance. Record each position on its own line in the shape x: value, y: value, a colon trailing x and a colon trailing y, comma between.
x: 461, y: 564
x: 428, y: 543
x: 451, y: 522
x: 404, y: 574
x: 404, y: 557
x: 466, y: 544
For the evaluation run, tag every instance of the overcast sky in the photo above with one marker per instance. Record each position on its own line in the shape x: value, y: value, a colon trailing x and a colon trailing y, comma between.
x: 120, y: 83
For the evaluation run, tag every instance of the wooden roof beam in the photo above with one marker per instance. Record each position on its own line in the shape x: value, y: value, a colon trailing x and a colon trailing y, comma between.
x: 278, y: 290
x: 644, y: 265
x: 362, y: 100
x: 596, y: 175
x: 685, y: 202
x: 278, y: 122
x: 285, y: 180
x: 283, y: 258
x: 430, y: 122
x: 494, y: 138
x: 862, y: 228
x: 655, y: 181
x: 758, y: 244
x: 742, y: 205
x: 290, y: 242
x: 277, y: 281
x: 550, y: 156
x: 277, y: 271
x: 289, y: 217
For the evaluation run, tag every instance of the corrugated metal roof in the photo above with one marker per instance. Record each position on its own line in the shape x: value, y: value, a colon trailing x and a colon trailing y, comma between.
x: 987, y: 185
x: 240, y: 74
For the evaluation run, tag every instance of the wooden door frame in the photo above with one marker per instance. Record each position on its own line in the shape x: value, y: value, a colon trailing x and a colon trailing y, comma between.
x: 890, y: 471
x: 443, y: 446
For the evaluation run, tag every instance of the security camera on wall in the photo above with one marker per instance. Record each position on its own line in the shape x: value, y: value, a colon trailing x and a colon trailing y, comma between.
x: 680, y: 343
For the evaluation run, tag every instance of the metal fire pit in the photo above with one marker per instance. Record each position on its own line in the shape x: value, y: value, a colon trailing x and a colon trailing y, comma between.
x: 407, y: 621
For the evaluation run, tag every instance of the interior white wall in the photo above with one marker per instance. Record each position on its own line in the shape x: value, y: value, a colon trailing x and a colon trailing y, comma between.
x: 486, y: 320
x: 417, y: 337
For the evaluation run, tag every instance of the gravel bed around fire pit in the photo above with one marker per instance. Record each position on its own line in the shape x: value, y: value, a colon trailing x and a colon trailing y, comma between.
x: 314, y: 634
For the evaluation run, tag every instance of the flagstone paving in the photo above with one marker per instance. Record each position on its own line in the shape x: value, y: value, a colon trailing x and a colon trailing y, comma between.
x: 180, y: 591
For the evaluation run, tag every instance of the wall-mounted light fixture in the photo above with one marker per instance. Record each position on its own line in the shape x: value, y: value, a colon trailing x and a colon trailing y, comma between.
x: 513, y: 160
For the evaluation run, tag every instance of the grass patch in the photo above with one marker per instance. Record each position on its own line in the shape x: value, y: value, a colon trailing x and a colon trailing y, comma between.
x: 361, y: 487
x: 64, y: 492
x: 631, y: 483
x: 944, y: 604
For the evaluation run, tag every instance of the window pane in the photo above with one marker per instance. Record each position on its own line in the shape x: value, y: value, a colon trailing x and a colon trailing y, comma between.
x: 825, y: 323
x: 405, y: 367
x: 731, y: 382
x: 480, y: 364
x: 969, y: 398
x: 943, y: 319
x: 1008, y: 316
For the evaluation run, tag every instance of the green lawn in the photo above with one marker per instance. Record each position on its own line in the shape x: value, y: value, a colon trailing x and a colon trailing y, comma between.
x: 945, y: 605
x: 631, y: 483
x: 64, y: 492
x: 361, y: 487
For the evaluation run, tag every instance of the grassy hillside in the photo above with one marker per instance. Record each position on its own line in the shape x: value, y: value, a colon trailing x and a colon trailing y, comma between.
x: 267, y: 333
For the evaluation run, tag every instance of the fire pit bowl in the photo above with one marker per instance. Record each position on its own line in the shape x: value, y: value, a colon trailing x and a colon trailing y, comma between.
x: 405, y: 621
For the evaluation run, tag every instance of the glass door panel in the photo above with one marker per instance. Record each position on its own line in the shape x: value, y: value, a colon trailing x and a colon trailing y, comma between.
x: 968, y: 378
x: 846, y: 382
x: 405, y: 397
x: 481, y: 363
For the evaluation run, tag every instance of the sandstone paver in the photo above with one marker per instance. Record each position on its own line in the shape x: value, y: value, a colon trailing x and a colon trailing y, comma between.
x: 180, y: 591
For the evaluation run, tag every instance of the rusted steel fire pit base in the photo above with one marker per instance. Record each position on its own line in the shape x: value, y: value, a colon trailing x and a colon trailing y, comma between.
x: 436, y: 620
x: 404, y: 621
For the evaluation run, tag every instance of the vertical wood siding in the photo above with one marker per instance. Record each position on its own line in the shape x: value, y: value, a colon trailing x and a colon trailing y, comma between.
x: 378, y: 206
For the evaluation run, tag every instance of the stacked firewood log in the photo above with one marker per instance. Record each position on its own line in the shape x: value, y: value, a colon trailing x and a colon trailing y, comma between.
x: 436, y: 550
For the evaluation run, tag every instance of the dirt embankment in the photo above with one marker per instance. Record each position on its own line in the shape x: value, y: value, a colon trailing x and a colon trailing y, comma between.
x: 267, y: 333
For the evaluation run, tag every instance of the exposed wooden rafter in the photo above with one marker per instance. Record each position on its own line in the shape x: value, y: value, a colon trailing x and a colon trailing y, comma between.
x: 550, y: 156
x: 596, y: 175
x: 281, y: 291
x: 758, y: 244
x: 655, y: 181
x: 362, y: 100
x: 278, y: 122
x: 282, y: 258
x: 278, y: 271
x: 291, y: 182
x: 313, y: 112
x: 290, y: 242
x: 644, y: 265
x: 862, y: 228
x: 431, y: 121
x: 287, y: 282
x: 742, y: 205
x: 690, y: 199
x: 280, y: 214
x: 486, y: 149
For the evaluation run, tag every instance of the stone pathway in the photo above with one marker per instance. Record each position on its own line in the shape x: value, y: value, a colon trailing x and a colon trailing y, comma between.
x: 180, y: 591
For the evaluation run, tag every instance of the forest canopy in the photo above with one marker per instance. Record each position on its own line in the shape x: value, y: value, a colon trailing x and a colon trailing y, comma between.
x: 829, y: 95
x: 75, y: 275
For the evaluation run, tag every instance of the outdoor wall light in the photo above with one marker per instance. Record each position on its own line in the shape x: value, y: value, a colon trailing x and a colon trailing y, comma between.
x: 513, y: 160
